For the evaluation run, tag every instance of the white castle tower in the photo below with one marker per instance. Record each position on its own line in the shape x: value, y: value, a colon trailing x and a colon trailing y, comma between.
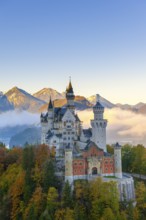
x: 47, y: 122
x: 68, y: 165
x: 99, y: 125
x: 117, y: 159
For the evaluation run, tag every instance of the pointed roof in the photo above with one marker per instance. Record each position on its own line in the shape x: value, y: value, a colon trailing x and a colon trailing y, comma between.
x: 70, y: 88
x: 117, y: 146
x: 98, y: 104
x: 50, y: 106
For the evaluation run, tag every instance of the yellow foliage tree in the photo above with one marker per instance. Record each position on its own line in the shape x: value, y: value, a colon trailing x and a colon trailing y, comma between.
x: 16, y: 192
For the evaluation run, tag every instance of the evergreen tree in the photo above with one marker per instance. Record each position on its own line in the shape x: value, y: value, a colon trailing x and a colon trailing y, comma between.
x: 28, y: 164
x: 49, y: 179
x: 67, y: 195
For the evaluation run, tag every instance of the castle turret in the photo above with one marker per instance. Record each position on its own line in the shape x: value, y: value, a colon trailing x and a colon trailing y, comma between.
x: 69, y: 165
x: 50, y: 115
x: 44, y: 127
x: 117, y: 160
x: 99, y: 125
x: 70, y: 96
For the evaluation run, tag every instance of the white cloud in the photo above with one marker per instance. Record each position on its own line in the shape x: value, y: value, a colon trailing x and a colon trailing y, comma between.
x: 123, y: 126
x: 13, y: 118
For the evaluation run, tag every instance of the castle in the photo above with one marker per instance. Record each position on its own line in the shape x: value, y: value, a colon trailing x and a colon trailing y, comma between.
x: 83, y: 151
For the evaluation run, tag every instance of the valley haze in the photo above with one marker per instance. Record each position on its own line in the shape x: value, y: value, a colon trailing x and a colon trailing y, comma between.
x: 127, y: 123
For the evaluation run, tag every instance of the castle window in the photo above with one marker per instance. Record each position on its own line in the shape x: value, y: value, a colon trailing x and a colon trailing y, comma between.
x: 68, y: 132
x: 64, y: 133
x: 64, y: 139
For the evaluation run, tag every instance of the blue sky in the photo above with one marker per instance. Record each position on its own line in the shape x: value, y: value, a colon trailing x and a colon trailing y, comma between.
x: 101, y: 44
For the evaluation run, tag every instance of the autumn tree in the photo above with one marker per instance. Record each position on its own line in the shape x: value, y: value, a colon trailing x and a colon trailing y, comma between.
x: 127, y: 158
x: 52, y: 203
x: 35, y: 205
x: 141, y: 199
x: 16, y: 192
x: 139, y: 162
x: 82, y: 200
x: 103, y: 195
x: 110, y: 149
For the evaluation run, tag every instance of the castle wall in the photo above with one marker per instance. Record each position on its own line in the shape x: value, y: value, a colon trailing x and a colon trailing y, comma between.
x: 125, y: 187
x: 68, y: 166
x: 79, y: 167
x: 108, y: 166
x: 99, y: 133
x: 44, y: 130
x: 93, y: 151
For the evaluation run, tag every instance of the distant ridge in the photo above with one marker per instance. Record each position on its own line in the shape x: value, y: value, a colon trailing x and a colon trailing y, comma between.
x: 45, y: 94
x: 104, y: 102
x: 5, y: 105
x: 81, y: 103
x: 22, y: 100
x: 17, y: 98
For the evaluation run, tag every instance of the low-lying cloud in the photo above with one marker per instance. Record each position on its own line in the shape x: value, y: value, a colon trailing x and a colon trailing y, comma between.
x: 14, y: 118
x: 123, y: 126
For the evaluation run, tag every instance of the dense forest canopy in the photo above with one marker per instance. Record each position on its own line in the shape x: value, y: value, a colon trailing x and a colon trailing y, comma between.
x: 30, y: 190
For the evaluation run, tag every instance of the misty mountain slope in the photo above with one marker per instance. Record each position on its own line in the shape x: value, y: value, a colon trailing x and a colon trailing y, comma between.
x: 124, y: 106
x: 104, y: 102
x: 23, y: 101
x: 142, y: 109
x: 5, y: 105
x: 46, y: 93
x: 138, y: 108
x: 139, y: 105
x: 29, y: 135
x: 80, y: 102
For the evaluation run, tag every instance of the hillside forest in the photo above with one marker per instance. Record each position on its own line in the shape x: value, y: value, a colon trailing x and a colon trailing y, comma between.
x: 30, y: 190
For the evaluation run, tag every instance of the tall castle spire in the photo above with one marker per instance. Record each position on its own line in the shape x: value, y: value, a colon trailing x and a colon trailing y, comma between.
x: 69, y: 89
x: 50, y: 105
x: 70, y: 95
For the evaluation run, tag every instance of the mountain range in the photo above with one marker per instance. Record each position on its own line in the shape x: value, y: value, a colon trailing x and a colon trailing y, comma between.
x: 19, y: 99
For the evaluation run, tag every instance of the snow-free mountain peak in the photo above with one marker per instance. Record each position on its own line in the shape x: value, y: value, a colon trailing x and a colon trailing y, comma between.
x: 104, y: 102
x: 45, y: 94
x: 22, y: 100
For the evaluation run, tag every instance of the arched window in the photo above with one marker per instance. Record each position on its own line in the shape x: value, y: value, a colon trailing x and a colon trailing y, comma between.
x: 94, y: 171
